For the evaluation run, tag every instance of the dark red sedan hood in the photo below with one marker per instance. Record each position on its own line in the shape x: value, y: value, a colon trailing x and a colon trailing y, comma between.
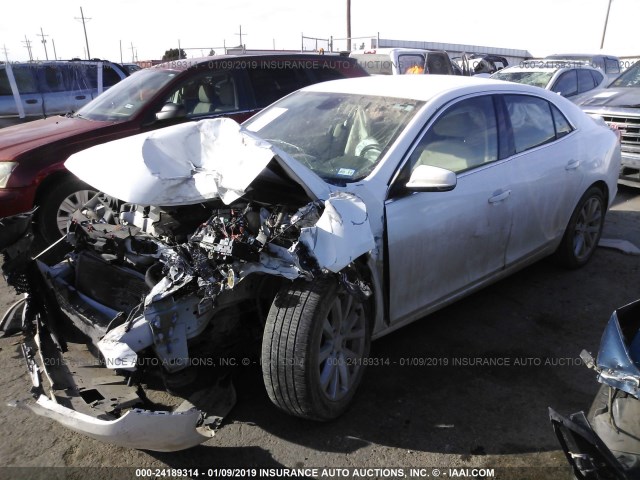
x: 21, y: 138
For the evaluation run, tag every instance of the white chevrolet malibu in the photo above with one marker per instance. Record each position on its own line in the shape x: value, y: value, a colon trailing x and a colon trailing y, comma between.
x: 336, y: 215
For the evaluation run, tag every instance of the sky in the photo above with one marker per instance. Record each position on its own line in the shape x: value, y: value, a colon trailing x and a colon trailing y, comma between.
x: 126, y: 30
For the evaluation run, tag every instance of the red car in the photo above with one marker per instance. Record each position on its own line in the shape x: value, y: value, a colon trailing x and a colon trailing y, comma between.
x: 32, y: 155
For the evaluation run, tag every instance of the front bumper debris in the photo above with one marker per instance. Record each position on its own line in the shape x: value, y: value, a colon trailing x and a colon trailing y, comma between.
x: 89, y: 399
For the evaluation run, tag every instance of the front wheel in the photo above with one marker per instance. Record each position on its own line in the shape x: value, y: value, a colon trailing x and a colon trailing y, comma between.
x: 314, y: 349
x: 583, y: 233
x: 58, y: 204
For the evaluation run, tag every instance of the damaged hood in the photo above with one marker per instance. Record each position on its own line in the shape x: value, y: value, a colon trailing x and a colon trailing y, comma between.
x: 622, y: 97
x: 187, y: 164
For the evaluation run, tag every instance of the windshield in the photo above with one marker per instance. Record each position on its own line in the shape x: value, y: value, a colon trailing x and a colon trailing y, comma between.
x: 537, y: 79
x: 340, y: 136
x: 630, y: 78
x: 126, y: 98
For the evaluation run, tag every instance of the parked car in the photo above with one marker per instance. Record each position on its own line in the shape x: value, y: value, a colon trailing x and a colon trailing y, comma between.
x: 32, y: 156
x: 618, y: 105
x: 132, y: 67
x: 30, y: 91
x: 605, y: 442
x: 336, y: 215
x: 609, y: 64
x: 402, y: 61
x: 566, y: 79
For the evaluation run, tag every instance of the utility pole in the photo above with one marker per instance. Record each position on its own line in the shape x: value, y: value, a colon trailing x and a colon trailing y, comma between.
x: 606, y: 21
x: 132, y: 53
x: 55, y: 55
x: 44, y: 42
x: 120, y: 51
x: 240, y: 34
x: 84, y: 27
x: 27, y: 44
x: 349, y: 25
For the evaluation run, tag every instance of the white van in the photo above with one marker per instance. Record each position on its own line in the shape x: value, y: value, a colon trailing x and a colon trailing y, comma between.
x: 401, y: 61
x: 33, y: 90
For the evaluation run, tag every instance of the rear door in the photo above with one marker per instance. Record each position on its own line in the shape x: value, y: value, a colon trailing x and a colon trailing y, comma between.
x: 545, y: 173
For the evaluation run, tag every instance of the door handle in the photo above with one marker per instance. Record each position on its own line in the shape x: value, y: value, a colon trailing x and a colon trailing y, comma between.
x: 572, y: 165
x: 31, y: 101
x: 499, y: 196
x: 80, y: 97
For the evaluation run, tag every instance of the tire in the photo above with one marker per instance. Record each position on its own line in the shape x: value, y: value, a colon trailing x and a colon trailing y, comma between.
x: 306, y: 372
x: 581, y: 237
x: 57, y: 204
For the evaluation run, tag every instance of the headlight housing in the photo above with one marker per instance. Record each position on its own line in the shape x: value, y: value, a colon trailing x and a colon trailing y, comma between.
x: 5, y: 172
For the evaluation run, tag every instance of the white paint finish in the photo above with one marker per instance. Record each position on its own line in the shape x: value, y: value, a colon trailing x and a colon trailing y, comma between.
x: 342, y: 234
x: 141, y: 429
x: 119, y: 346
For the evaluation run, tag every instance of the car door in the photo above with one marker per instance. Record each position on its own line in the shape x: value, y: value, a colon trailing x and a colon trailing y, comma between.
x: 441, y: 243
x: 53, y: 82
x: 545, y: 173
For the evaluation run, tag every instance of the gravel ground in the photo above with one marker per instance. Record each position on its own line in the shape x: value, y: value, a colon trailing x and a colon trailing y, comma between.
x: 431, y: 402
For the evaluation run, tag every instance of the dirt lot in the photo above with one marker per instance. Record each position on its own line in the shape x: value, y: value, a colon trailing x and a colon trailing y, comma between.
x: 432, y: 401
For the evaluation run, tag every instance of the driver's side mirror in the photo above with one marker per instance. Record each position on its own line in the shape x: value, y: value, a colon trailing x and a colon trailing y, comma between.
x: 171, y: 110
x: 426, y: 178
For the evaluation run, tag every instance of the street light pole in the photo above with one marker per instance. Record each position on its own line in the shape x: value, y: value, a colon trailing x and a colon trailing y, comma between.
x: 606, y: 20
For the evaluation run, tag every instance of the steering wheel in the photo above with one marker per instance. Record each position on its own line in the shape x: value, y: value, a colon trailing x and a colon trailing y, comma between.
x: 371, y: 152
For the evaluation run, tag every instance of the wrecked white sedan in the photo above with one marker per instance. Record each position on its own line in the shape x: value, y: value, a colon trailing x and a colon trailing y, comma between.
x: 338, y: 214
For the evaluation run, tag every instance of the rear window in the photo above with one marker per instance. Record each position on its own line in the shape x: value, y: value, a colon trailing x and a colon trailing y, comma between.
x: 531, y: 120
x: 275, y: 80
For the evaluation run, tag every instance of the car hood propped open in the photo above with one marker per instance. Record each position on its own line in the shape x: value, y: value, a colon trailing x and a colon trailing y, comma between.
x: 187, y: 164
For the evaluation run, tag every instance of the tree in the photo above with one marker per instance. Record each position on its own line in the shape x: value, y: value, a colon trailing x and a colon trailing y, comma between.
x: 173, y: 54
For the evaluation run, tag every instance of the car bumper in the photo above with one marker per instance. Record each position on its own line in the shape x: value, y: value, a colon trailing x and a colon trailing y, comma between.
x: 163, y: 431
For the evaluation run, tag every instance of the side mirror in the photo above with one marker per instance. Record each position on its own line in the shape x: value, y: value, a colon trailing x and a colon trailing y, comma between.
x: 426, y: 178
x: 171, y: 110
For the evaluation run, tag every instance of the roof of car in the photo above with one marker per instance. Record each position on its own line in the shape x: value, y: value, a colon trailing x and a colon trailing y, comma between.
x: 186, y: 63
x: 419, y: 87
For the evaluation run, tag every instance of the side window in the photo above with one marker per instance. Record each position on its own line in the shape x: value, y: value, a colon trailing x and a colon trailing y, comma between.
x: 271, y: 84
x: 585, y: 81
x: 411, y: 63
x: 611, y: 66
x: 563, y: 127
x: 109, y: 76
x: 463, y: 137
x: 213, y: 92
x: 567, y: 84
x: 531, y: 121
x: 51, y: 78
x: 597, y: 77
x: 24, y: 80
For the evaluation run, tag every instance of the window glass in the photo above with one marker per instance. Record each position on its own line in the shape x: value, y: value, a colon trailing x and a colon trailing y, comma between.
x: 340, y: 136
x: 531, y: 121
x: 597, y: 77
x: 213, y: 92
x: 567, y: 84
x: 24, y: 80
x: 274, y: 81
x: 611, y: 65
x: 463, y: 137
x: 585, y: 81
x: 411, y: 63
x: 109, y: 76
x: 51, y: 78
x: 563, y: 127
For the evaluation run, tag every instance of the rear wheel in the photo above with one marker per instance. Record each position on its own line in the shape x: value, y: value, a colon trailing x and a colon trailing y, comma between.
x: 315, y: 341
x: 584, y: 230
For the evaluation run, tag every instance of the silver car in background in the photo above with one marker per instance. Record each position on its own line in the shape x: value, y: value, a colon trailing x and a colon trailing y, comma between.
x: 33, y: 90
